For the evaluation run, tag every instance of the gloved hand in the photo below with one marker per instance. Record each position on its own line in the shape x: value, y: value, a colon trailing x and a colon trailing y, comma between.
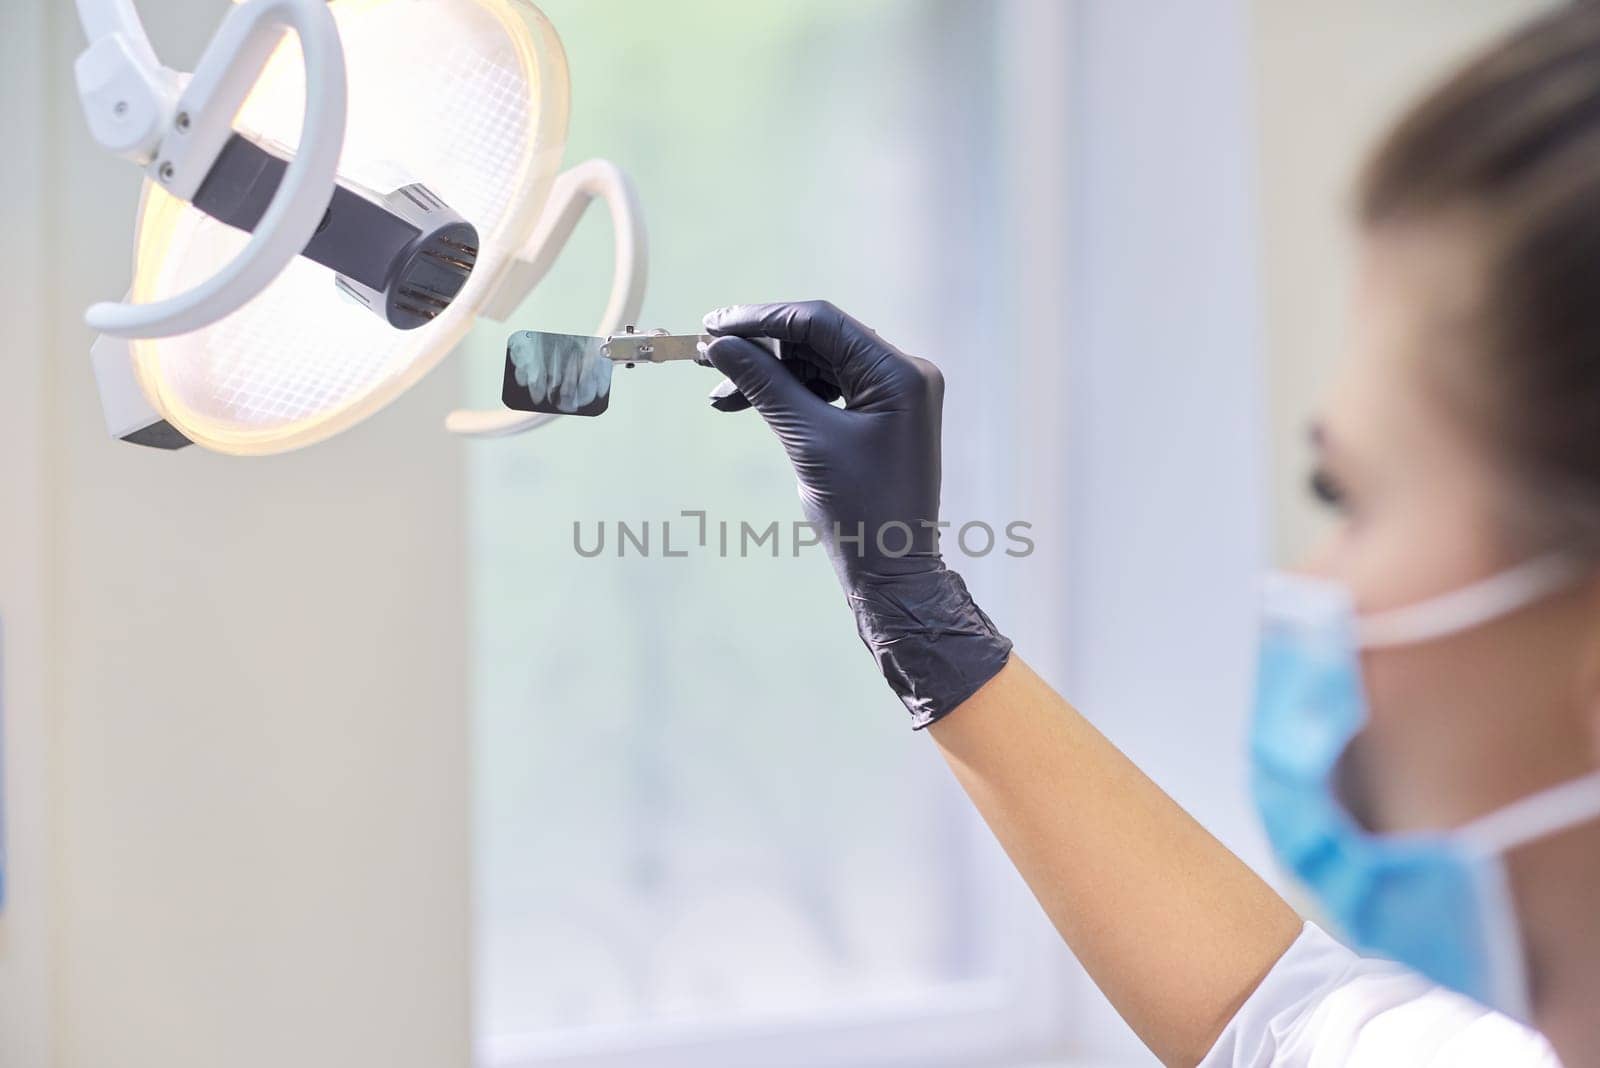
x: 869, y: 482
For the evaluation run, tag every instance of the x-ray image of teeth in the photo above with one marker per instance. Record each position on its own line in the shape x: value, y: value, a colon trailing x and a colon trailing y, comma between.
x: 560, y: 372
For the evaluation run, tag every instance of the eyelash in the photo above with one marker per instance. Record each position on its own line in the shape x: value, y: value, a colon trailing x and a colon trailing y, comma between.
x: 1326, y: 489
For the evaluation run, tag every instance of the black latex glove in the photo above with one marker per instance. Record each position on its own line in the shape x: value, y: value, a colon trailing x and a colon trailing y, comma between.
x: 869, y: 481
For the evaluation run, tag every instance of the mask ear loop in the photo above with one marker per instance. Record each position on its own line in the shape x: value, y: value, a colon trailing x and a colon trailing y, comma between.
x: 1500, y: 928
x: 1470, y: 606
x: 1550, y: 811
x: 1490, y: 837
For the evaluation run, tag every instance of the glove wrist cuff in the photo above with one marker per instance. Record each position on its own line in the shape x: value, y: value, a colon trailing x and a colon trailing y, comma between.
x: 935, y: 647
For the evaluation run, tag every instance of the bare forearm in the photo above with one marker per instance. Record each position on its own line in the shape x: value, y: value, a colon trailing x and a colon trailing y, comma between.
x: 1174, y: 928
x: 1171, y: 925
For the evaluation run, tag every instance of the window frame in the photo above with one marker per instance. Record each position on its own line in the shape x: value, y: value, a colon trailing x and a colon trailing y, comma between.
x: 1024, y: 1008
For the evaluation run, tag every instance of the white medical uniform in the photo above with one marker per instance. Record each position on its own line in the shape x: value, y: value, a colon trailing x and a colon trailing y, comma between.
x: 1322, y: 1005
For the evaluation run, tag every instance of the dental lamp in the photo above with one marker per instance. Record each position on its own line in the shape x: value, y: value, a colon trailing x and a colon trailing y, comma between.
x: 331, y: 199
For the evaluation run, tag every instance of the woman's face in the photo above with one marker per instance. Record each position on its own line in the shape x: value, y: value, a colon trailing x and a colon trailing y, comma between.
x: 1464, y: 724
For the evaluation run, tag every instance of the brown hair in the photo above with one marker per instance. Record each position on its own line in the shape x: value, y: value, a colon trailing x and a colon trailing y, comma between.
x: 1511, y: 142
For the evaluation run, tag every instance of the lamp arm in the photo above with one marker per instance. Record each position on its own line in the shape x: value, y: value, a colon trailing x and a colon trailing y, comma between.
x: 105, y: 18
x: 570, y: 197
x: 128, y: 97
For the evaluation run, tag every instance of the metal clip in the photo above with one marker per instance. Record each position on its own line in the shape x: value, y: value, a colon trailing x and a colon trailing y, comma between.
x: 656, y: 346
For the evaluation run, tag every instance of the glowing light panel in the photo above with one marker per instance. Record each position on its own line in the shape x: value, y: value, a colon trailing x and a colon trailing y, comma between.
x: 469, y: 97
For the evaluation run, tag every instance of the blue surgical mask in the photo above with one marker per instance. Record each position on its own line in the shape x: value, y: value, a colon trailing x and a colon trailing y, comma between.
x: 1436, y: 902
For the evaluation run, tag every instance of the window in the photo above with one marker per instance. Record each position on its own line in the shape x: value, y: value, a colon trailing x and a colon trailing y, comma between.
x: 702, y: 828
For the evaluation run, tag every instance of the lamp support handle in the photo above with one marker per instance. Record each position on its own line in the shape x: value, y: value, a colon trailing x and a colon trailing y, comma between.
x: 574, y: 190
x: 135, y: 109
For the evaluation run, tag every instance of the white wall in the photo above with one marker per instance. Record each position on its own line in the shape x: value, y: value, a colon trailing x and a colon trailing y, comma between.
x: 1165, y: 512
x: 239, y: 686
x: 25, y: 726
x: 1330, y: 77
